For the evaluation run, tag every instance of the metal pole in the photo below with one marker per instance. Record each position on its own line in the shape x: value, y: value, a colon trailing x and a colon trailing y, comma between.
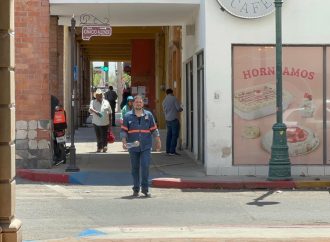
x: 279, y: 164
x: 72, y: 165
x: 279, y: 106
x: 106, y: 73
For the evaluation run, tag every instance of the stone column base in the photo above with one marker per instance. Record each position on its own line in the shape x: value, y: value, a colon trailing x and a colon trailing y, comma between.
x: 11, y: 232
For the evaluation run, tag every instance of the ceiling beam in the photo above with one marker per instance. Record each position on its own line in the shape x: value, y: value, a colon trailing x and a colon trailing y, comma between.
x: 105, y: 40
x: 124, y: 36
x: 118, y: 46
x: 106, y: 47
x: 132, y: 29
x: 110, y: 58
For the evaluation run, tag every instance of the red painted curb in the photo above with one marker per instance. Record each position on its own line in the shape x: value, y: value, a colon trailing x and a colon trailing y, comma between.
x: 42, y: 176
x: 186, y: 183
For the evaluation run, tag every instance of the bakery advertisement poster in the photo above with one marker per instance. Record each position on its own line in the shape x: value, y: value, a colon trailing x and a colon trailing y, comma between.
x: 254, y: 103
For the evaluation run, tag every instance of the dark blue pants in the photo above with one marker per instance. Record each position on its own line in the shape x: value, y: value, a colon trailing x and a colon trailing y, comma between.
x: 140, y: 159
x: 173, y: 129
x: 113, y: 113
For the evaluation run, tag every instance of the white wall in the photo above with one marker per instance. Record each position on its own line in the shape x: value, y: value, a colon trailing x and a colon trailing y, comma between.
x: 215, y: 32
x: 303, y: 21
x: 191, y: 44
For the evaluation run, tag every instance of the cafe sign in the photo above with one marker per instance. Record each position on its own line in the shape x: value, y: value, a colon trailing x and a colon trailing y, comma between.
x: 90, y: 31
x: 248, y: 8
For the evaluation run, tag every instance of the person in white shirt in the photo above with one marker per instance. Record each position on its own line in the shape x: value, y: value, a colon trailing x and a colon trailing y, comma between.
x: 100, y: 110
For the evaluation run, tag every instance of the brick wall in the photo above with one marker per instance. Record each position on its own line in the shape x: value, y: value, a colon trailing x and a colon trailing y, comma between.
x: 53, y: 58
x: 60, y: 54
x: 56, y: 59
x: 32, y: 25
x: 32, y: 59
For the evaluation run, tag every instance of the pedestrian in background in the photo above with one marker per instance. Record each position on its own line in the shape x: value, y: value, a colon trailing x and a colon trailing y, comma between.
x: 54, y: 102
x: 126, y: 93
x: 172, y: 108
x: 138, y: 127
x: 128, y: 107
x: 112, y: 96
x: 100, y: 110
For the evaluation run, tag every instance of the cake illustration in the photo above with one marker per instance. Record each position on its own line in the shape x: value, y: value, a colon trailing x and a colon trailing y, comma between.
x: 300, y: 140
x: 258, y: 101
x: 251, y: 132
x: 307, y: 107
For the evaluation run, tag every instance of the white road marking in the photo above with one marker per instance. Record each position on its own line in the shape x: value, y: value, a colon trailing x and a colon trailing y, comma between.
x: 65, y: 192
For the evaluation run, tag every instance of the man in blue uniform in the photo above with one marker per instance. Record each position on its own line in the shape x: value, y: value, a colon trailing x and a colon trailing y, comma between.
x: 138, y: 127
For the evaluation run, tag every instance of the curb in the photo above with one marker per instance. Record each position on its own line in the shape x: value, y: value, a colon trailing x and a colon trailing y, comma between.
x: 76, y: 178
x: 312, y: 184
x: 201, y: 184
x: 180, y: 183
x: 43, y: 176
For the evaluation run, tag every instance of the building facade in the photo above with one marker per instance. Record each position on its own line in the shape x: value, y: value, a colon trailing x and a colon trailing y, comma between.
x: 221, y: 66
x: 238, y: 85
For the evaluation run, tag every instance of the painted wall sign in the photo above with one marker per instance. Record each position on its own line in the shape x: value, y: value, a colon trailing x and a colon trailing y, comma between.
x: 248, y: 8
x: 90, y: 31
x: 254, y: 103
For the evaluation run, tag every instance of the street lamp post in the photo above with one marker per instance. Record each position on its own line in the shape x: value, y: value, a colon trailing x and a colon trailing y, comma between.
x: 72, y: 165
x: 279, y: 163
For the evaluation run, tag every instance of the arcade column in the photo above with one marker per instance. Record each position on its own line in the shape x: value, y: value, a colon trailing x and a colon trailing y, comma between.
x: 10, y: 227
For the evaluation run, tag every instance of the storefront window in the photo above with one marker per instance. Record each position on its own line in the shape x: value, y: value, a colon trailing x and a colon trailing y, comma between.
x: 254, y: 103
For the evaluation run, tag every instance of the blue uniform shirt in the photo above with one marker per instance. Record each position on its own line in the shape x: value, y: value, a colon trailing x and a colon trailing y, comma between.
x: 139, y: 129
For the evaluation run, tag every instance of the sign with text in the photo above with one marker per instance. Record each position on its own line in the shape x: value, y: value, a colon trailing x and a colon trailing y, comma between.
x: 254, y: 103
x: 248, y: 8
x: 89, y: 31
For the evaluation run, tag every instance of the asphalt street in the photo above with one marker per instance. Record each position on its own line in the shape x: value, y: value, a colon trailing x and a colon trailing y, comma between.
x: 52, y: 211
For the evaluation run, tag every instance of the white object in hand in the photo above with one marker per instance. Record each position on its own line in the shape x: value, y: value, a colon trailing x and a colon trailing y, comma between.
x: 133, y: 144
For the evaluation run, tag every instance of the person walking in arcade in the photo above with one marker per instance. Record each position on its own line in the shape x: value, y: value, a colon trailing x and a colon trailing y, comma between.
x: 101, y: 110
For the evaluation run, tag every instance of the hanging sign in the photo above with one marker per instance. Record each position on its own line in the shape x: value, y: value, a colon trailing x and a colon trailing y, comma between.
x: 90, y: 31
x: 92, y: 26
x: 248, y: 8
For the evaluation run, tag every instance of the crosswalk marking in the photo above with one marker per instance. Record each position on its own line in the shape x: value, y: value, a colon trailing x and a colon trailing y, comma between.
x: 65, y: 192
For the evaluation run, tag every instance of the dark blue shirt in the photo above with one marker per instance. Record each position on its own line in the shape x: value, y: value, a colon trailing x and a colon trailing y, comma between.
x: 139, y: 129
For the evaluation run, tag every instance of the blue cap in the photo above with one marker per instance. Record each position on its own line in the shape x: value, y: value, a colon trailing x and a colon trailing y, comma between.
x: 130, y: 98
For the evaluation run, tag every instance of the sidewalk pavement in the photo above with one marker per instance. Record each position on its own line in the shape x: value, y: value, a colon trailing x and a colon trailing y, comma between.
x: 182, y: 172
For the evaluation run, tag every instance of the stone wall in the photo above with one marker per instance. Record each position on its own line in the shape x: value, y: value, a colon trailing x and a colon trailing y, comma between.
x: 33, y: 149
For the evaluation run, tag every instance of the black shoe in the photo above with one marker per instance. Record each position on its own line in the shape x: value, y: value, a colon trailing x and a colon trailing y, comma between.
x: 135, y: 194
